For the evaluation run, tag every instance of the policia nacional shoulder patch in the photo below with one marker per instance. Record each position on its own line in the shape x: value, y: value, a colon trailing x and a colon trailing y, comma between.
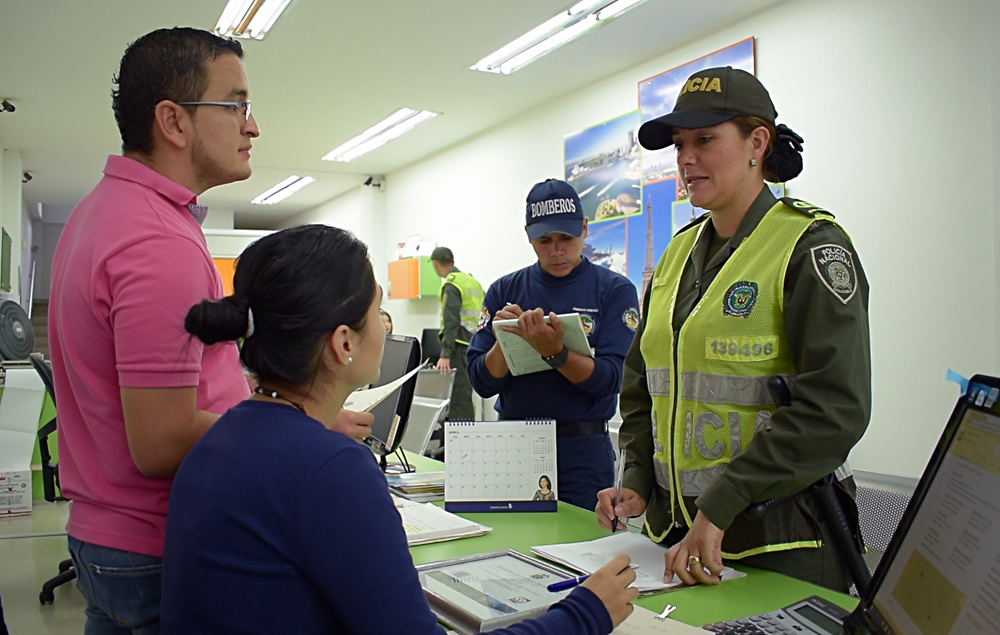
x: 835, y: 267
x: 739, y: 299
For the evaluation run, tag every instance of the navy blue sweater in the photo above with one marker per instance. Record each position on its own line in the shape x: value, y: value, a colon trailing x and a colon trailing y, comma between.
x: 278, y: 525
x: 606, y: 300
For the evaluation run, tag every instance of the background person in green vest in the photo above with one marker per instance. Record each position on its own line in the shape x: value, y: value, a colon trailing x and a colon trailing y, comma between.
x: 756, y: 288
x: 461, y: 300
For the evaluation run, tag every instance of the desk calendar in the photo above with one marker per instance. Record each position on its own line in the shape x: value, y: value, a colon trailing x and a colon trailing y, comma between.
x: 500, y: 466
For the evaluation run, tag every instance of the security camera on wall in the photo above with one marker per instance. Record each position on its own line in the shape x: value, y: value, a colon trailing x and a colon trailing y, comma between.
x: 6, y: 106
x: 373, y: 181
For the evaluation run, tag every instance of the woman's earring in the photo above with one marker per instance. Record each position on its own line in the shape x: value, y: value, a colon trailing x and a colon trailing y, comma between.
x: 753, y: 162
x: 350, y: 360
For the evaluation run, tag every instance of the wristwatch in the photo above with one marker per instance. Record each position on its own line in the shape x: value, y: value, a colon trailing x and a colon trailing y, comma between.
x: 558, y: 360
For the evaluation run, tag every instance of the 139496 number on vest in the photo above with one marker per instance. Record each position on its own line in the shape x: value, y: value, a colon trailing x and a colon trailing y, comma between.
x: 741, y: 349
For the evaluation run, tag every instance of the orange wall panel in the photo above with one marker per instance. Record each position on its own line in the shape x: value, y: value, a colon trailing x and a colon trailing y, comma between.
x: 226, y: 267
x: 404, y: 279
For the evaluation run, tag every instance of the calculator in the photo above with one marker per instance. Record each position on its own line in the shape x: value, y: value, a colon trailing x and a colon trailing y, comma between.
x: 811, y: 616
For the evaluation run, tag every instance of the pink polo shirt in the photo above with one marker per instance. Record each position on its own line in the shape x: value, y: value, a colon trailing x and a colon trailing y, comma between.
x: 129, y: 264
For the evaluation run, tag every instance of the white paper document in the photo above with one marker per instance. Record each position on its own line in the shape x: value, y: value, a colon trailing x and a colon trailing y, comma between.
x: 426, y: 523
x: 20, y: 408
x: 522, y: 359
x: 589, y: 556
x: 365, y: 400
x: 643, y: 622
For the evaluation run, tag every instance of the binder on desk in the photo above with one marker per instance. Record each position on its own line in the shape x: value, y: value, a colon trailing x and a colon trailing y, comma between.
x: 505, y: 466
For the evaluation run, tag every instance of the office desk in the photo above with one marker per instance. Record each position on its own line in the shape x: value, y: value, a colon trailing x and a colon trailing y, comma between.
x: 759, y: 592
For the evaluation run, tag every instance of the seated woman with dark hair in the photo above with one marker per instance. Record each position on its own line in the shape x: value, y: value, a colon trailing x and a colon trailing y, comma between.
x: 278, y: 525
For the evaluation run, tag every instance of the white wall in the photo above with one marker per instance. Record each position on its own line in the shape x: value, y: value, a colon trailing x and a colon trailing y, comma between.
x: 26, y: 257
x: 894, y: 102
x: 218, y: 219
x: 46, y: 252
x: 11, y: 202
x: 343, y: 211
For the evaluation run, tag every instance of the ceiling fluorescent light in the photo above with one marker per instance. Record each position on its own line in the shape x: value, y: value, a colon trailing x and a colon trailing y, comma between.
x: 393, y: 126
x: 561, y: 29
x: 249, y: 18
x: 616, y: 8
x: 283, y: 190
x: 584, y: 5
x: 543, y: 47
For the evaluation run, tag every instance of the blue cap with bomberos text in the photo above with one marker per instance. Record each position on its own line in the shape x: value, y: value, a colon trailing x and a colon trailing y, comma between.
x: 553, y: 207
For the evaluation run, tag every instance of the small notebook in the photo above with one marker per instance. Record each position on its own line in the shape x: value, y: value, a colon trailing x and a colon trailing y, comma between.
x: 522, y: 359
x: 500, y: 466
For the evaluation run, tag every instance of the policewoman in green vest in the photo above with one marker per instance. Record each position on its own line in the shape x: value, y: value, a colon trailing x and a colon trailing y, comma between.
x: 461, y: 303
x: 756, y: 288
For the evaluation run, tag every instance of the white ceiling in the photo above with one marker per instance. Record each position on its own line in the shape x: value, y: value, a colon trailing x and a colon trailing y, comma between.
x: 327, y: 71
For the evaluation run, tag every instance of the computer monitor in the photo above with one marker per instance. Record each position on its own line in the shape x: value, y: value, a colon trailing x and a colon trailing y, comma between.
x: 402, y: 355
x: 433, y: 384
x: 941, y: 572
x: 431, y: 345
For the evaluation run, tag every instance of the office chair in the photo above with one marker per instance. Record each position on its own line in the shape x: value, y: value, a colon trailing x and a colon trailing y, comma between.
x: 50, y: 478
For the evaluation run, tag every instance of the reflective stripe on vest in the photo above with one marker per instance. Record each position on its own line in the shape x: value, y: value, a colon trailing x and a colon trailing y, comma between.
x: 709, y: 409
x: 472, y: 301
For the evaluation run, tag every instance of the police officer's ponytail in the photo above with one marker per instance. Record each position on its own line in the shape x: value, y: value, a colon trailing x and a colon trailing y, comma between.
x: 783, y: 156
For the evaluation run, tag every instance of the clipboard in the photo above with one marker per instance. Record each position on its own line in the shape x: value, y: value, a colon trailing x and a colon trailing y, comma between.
x: 488, y: 591
x: 522, y: 359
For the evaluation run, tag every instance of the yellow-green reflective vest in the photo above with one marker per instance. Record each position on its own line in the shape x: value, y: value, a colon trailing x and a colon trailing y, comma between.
x: 708, y: 381
x: 472, y: 303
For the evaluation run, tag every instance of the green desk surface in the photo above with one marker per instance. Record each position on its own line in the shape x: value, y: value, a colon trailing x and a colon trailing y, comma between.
x: 759, y: 592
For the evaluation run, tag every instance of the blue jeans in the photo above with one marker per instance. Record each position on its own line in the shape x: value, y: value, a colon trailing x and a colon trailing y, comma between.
x: 586, y: 465
x: 122, y: 589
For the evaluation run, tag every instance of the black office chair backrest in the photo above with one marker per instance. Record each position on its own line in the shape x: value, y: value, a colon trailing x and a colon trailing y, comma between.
x: 50, y: 470
x: 44, y: 371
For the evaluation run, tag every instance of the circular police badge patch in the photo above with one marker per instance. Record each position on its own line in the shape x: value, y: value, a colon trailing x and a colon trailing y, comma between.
x: 739, y: 299
x: 484, y: 317
x: 835, y: 267
x: 588, y: 323
x: 631, y: 319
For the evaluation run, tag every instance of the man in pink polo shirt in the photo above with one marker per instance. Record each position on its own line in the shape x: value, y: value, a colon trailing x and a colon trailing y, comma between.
x: 135, y: 391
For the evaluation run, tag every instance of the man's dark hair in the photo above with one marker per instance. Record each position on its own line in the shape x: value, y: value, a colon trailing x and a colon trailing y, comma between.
x: 285, y: 279
x: 443, y: 255
x: 163, y: 64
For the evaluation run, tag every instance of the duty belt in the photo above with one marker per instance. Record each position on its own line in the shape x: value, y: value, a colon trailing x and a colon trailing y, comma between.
x: 581, y: 428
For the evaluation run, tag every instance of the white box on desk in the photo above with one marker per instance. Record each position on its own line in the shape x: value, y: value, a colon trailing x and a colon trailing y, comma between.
x: 15, y: 493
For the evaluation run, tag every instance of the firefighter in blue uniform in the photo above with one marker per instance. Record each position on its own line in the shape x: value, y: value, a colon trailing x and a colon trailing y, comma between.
x: 580, y: 392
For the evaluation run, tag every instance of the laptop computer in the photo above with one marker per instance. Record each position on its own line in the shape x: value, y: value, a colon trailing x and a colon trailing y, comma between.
x: 940, y: 574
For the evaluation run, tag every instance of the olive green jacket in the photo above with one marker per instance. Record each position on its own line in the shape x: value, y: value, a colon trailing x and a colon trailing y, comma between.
x: 831, y: 396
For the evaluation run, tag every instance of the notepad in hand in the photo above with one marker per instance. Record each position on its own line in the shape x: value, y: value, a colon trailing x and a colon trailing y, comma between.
x: 522, y: 359
x: 426, y: 523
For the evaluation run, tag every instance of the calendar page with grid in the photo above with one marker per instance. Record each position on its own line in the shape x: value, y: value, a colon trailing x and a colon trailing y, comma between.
x: 500, y: 465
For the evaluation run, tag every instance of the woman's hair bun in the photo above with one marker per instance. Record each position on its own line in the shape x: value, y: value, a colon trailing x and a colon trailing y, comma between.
x: 785, y: 161
x: 212, y: 321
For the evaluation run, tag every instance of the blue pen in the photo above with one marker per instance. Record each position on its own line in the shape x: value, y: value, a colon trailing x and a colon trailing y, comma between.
x: 564, y: 585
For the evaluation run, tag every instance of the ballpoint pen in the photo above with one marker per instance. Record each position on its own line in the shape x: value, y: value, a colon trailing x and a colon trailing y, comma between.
x: 563, y: 585
x: 619, y: 477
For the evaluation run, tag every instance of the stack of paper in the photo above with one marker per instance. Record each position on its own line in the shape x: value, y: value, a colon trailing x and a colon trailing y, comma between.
x: 426, y: 523
x: 589, y: 556
x: 417, y: 486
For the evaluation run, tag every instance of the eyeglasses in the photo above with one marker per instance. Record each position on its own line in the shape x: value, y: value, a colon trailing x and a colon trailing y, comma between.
x: 240, y: 107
